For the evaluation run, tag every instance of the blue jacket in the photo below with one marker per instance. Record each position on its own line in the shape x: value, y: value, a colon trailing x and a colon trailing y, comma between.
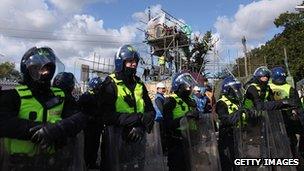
x: 158, y: 106
x: 200, y: 102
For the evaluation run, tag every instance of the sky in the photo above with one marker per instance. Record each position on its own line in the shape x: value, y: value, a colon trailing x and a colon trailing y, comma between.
x: 81, y: 28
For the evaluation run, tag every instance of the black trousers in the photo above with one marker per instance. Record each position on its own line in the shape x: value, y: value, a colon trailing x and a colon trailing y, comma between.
x: 226, y: 148
x: 91, y: 143
x: 178, y: 158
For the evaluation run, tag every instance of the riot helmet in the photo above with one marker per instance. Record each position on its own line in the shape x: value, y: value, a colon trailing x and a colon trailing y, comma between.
x: 94, y: 83
x: 182, y: 84
x: 231, y: 88
x: 124, y: 53
x: 38, y: 65
x: 278, y: 75
x: 261, y: 72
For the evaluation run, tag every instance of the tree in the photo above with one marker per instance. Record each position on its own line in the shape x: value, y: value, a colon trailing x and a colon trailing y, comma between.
x: 7, y: 70
x: 196, y: 58
x: 272, y: 53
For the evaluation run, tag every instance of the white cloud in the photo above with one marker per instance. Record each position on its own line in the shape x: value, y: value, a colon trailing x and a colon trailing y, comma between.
x: 253, y: 20
x: 24, y: 24
x: 40, y: 18
x: 143, y: 15
x: 75, y: 5
x: 33, y: 14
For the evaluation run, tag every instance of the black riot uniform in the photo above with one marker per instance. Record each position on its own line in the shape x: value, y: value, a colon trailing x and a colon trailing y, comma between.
x: 37, y: 67
x: 259, y: 95
x: 92, y: 132
x: 175, y: 108
x: 126, y: 129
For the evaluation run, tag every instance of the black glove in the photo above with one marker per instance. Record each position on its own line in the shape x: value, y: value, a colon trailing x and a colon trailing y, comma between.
x: 45, y: 135
x: 41, y: 137
x: 147, y: 120
x: 290, y: 103
x: 254, y: 117
x: 136, y: 134
x: 235, y: 117
x: 192, y: 114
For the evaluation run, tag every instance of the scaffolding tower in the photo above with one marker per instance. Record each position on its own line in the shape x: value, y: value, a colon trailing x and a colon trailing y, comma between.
x: 167, y: 38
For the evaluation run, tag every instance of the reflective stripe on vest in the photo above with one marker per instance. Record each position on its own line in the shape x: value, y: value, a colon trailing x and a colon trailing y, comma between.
x: 31, y: 109
x: 280, y: 91
x: 122, y: 92
x: 232, y: 108
x: 249, y: 103
x: 91, y: 91
x: 181, y: 107
x: 180, y: 110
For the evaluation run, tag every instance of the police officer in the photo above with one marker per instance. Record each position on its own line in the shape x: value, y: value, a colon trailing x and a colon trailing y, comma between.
x: 67, y: 83
x: 283, y: 90
x: 176, y: 107
x: 229, y: 111
x: 259, y: 95
x: 128, y: 113
x: 92, y: 132
x: 34, y: 120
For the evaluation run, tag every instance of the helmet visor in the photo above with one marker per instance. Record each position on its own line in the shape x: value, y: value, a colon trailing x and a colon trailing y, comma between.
x: 187, y: 79
x: 236, y: 87
x: 40, y: 67
x: 130, y: 55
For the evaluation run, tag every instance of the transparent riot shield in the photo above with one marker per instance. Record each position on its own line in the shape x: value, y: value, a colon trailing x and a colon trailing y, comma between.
x: 251, y: 139
x: 155, y: 159
x: 78, y: 163
x: 200, y: 141
x: 61, y: 159
x: 60, y: 67
x: 3, y: 156
x: 121, y: 155
x: 279, y: 142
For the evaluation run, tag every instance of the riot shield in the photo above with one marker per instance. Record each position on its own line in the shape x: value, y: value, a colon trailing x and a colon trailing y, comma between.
x: 3, y: 156
x: 200, y: 142
x: 61, y: 159
x: 78, y: 163
x: 251, y: 139
x: 121, y: 155
x: 154, y: 157
x: 279, y: 142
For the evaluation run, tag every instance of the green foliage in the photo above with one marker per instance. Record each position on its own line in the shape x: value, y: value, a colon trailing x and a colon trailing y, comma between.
x: 7, y: 70
x: 272, y: 53
x: 197, y: 56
